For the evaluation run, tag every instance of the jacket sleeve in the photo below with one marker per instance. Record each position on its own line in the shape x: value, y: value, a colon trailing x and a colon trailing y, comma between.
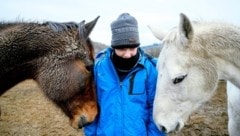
x: 91, y: 129
x: 151, y: 87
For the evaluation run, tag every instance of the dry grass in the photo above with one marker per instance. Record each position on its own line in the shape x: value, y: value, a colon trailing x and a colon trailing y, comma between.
x: 25, y: 111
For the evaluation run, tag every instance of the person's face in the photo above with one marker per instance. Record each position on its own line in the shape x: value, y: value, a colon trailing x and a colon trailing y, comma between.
x: 126, y: 53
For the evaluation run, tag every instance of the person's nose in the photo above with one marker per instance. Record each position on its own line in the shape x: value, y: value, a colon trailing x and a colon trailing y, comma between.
x: 128, y: 54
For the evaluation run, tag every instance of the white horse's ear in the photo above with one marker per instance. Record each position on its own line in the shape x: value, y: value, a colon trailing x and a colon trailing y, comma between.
x: 185, y: 27
x: 157, y: 32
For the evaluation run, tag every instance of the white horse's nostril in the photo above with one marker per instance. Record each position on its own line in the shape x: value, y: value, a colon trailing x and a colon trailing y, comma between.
x: 178, y: 126
x: 165, y: 130
x: 162, y: 128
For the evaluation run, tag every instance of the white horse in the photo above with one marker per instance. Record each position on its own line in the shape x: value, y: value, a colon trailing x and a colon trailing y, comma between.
x: 194, y: 57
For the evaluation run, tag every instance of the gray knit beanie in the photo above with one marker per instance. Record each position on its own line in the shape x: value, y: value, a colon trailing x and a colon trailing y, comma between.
x: 125, y: 32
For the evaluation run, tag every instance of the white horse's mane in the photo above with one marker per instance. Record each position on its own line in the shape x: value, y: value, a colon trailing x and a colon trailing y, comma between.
x: 211, y: 30
x: 212, y: 37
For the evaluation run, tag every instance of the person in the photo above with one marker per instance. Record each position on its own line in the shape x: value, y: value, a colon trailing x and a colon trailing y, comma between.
x: 125, y: 80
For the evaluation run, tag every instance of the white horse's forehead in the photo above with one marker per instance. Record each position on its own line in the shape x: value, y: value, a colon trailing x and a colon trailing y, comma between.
x: 173, y: 61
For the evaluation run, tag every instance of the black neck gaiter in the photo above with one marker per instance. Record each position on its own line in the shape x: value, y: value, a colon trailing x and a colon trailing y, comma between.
x: 123, y: 66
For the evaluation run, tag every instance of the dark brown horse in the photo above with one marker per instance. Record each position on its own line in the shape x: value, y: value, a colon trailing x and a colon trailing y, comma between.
x: 59, y: 57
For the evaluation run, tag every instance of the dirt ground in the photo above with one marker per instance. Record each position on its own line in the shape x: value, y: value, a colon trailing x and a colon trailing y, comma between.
x: 26, y: 112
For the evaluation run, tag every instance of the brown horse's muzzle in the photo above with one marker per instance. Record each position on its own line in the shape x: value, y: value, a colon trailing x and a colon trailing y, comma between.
x: 85, y: 116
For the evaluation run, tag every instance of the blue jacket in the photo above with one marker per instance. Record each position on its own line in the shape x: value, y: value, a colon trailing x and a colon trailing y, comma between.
x: 126, y: 106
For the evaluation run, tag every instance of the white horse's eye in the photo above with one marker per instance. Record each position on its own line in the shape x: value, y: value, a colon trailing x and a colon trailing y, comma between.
x: 178, y: 79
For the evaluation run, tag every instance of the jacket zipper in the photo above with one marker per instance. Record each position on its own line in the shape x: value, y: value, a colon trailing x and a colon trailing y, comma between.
x: 122, y: 107
x: 131, y: 82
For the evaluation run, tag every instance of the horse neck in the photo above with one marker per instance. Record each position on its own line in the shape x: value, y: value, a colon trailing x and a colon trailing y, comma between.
x: 222, y: 42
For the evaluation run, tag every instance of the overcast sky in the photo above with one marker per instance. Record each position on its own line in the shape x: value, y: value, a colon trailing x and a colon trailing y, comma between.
x: 162, y: 13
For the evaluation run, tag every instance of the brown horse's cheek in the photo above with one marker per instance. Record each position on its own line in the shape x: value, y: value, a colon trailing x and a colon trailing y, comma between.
x: 91, y: 108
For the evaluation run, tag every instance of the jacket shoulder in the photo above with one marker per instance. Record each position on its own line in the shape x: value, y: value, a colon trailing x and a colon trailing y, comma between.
x: 151, y: 59
x: 100, y: 55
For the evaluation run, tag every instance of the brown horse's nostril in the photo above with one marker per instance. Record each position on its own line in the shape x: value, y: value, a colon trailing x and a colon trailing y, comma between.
x: 82, y: 122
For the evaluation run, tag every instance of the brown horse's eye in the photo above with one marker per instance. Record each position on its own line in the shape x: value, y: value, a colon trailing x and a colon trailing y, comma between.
x: 89, y: 68
x: 82, y: 90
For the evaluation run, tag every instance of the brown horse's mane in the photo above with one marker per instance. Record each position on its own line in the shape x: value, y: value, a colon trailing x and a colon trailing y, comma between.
x: 58, y: 27
x: 55, y: 26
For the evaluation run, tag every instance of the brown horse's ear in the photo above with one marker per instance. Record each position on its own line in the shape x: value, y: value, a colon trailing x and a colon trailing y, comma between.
x: 86, y: 29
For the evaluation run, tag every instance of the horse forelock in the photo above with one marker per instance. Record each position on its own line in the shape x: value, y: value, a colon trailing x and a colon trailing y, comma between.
x: 171, y: 36
x: 76, y: 45
x: 77, y: 38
